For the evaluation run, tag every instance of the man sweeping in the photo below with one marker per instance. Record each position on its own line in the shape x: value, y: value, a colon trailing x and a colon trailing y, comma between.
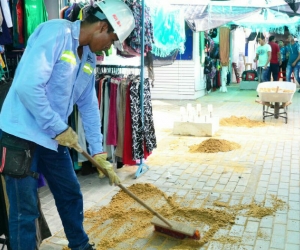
x: 55, y: 73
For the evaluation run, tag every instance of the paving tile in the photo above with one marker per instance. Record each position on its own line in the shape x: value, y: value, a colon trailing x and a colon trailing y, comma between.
x: 292, y: 247
x: 249, y: 238
x: 294, y: 197
x: 277, y: 242
x: 240, y: 220
x: 245, y: 247
x: 294, y: 190
x: 293, y: 237
x: 236, y: 230
x: 279, y: 229
x: 252, y: 226
x: 214, y: 245
x: 158, y: 240
x: 231, y: 247
x: 294, y: 214
x: 281, y: 218
x: 261, y: 244
x: 293, y: 225
x: 267, y: 222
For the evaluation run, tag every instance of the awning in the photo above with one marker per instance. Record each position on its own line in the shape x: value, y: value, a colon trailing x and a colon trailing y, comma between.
x: 204, y: 15
x: 270, y: 21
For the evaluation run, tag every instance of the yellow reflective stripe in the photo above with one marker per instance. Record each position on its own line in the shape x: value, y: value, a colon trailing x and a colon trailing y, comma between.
x: 68, y: 56
x: 87, y: 68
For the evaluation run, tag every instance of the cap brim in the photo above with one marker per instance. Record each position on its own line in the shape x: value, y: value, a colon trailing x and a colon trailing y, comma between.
x: 118, y: 45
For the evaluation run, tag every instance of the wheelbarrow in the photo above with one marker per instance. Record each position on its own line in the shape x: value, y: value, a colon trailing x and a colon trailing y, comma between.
x: 275, y: 98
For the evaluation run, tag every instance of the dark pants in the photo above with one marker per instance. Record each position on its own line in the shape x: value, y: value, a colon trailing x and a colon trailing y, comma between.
x: 274, y: 70
x: 283, y: 68
x: 58, y: 170
x: 263, y: 74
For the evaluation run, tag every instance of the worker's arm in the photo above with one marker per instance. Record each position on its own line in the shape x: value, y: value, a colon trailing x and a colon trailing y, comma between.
x: 90, y: 114
x: 34, y: 71
x: 297, y: 60
x: 256, y: 58
x: 279, y: 57
x: 268, y: 60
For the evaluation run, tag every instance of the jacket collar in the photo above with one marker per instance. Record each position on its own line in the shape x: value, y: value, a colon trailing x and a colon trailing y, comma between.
x: 76, y: 29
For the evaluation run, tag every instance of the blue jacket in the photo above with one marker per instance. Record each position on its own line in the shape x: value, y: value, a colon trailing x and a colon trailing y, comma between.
x: 49, y: 80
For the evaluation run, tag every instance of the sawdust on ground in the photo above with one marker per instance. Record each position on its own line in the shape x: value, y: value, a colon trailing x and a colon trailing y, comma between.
x: 124, y: 220
x: 242, y: 121
x: 214, y: 146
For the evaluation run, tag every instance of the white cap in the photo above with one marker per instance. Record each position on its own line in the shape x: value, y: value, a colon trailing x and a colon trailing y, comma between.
x: 119, y: 16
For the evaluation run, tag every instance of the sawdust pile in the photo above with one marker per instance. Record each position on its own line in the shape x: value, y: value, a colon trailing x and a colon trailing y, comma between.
x: 240, y: 122
x: 214, y: 146
x: 123, y: 223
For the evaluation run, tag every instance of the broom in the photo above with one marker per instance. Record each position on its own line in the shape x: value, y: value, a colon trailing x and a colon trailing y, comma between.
x: 172, y: 228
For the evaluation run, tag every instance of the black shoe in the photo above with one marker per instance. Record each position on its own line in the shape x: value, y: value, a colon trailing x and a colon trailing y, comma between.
x: 87, y: 168
x: 91, y: 247
x: 119, y: 164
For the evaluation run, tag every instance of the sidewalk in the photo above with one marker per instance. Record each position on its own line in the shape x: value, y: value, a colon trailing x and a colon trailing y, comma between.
x: 213, y: 186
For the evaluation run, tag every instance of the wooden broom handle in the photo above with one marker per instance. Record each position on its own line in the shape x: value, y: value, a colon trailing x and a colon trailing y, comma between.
x: 90, y: 158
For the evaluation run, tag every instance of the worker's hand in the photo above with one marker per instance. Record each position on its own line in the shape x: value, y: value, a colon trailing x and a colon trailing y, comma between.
x: 254, y: 60
x: 101, y: 159
x: 293, y: 64
x: 68, y: 138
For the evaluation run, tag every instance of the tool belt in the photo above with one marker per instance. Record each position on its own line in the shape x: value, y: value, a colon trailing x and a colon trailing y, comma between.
x: 16, y: 156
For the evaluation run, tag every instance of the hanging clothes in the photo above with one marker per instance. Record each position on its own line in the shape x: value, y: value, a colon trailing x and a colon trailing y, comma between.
x: 149, y: 130
x: 134, y: 39
x: 112, y: 130
x: 136, y: 120
x: 169, y: 30
x: 19, y: 19
x: 5, y: 36
x: 125, y: 138
x: 127, y: 148
x: 121, y: 102
x: 35, y: 14
x: 6, y: 13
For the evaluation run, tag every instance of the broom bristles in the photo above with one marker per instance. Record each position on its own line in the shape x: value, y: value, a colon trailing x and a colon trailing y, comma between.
x: 177, y: 235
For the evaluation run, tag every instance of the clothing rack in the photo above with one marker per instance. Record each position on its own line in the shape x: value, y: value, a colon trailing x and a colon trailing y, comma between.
x: 142, y: 168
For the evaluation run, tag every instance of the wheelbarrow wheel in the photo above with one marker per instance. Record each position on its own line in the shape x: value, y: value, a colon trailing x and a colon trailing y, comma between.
x: 276, y: 110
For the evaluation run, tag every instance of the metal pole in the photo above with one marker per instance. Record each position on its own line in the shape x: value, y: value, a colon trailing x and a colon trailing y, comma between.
x: 142, y: 61
x: 142, y: 167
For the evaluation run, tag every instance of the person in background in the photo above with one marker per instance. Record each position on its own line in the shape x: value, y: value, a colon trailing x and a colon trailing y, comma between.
x: 263, y: 57
x: 275, y: 59
x: 293, y: 63
x: 283, y: 57
x: 55, y: 73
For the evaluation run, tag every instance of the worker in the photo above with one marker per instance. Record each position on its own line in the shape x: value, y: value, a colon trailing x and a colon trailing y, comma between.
x: 275, y: 59
x: 293, y: 64
x: 56, y: 72
x: 283, y: 57
x: 263, y: 56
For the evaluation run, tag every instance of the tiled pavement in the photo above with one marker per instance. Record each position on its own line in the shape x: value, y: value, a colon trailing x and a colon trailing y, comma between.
x: 266, y: 164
